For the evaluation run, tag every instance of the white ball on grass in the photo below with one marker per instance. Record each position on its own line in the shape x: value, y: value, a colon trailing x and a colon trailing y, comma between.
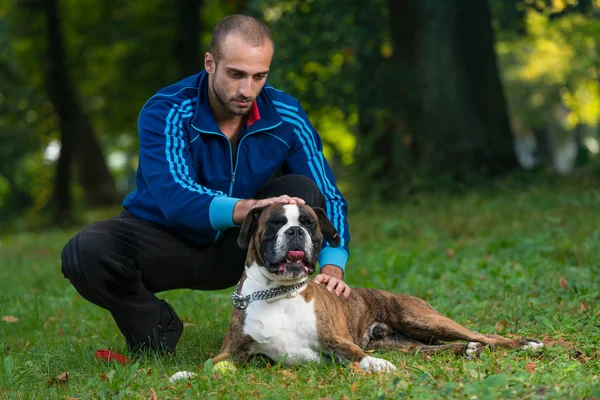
x: 181, y: 375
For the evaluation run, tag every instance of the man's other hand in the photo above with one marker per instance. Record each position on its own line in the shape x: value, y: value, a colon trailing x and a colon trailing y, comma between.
x: 243, y: 207
x: 332, y: 276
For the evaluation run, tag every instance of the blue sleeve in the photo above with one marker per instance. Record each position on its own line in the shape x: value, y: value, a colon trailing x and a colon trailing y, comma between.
x: 306, y: 158
x: 166, y: 162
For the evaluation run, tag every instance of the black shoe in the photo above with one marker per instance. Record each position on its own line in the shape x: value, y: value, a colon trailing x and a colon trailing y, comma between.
x: 165, y: 336
x: 170, y: 328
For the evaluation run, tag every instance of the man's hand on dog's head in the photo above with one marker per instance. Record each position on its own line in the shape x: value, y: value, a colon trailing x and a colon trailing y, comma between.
x: 243, y: 207
x: 332, y: 276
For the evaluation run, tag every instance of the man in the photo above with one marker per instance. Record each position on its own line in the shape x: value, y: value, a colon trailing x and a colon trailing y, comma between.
x: 210, y: 146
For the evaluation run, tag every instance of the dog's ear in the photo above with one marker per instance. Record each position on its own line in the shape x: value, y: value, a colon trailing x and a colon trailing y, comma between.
x: 249, y: 227
x: 327, y: 229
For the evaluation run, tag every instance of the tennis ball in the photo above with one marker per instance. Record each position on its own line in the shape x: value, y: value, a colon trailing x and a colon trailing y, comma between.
x: 224, y: 368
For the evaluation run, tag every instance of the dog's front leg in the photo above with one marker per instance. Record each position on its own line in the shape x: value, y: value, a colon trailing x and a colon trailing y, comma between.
x: 345, y: 350
x: 236, y: 347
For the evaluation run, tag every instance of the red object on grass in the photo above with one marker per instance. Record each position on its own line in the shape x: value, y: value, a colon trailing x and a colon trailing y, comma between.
x: 111, y: 356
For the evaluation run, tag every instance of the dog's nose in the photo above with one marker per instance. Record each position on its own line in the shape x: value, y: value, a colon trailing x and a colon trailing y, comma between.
x: 295, y: 232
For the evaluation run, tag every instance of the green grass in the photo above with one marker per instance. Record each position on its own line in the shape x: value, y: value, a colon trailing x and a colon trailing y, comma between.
x: 512, y: 259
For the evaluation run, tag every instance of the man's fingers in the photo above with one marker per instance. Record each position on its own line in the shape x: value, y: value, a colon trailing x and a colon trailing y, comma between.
x: 262, y: 203
x: 332, y: 284
x: 346, y: 291
x: 321, y: 278
x: 341, y: 288
x: 285, y: 199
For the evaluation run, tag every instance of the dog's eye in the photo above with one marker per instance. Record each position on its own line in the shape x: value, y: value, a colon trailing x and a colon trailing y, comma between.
x: 279, y: 221
x: 306, y: 221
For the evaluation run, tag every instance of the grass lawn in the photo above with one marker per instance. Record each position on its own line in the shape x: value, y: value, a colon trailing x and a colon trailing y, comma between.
x: 514, y: 259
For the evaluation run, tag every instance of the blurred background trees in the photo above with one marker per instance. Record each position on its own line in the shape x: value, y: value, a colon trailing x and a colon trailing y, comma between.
x: 407, y: 95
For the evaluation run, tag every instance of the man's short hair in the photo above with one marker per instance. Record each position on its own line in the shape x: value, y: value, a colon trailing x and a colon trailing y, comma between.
x: 252, y: 30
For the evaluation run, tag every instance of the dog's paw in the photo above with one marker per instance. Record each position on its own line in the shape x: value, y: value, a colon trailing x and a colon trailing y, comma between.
x: 473, y: 350
x: 373, y: 364
x: 533, y: 344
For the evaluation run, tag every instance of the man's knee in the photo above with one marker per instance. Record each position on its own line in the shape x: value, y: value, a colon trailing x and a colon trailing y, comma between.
x: 80, y: 264
x: 294, y: 185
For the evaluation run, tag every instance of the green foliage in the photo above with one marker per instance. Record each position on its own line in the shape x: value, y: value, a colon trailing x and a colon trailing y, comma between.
x: 334, y: 56
x: 319, y: 48
x: 516, y: 259
x: 552, y: 72
x: 26, y: 123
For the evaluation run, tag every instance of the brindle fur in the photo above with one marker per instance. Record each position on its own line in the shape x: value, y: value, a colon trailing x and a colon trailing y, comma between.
x: 369, y: 319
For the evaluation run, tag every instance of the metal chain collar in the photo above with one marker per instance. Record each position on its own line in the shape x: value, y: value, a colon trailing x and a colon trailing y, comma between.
x: 242, y: 302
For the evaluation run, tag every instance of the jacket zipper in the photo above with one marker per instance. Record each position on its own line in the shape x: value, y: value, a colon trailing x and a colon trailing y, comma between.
x: 230, y: 163
x: 233, y: 168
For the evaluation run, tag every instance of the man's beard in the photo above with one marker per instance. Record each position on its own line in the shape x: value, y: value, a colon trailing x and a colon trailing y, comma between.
x: 230, y: 106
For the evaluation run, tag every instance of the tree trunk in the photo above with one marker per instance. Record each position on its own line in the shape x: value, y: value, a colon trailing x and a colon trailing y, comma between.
x: 544, y: 149
x: 60, y: 92
x: 78, y: 143
x: 447, y: 111
x: 187, y: 39
x: 93, y: 174
x: 512, y: 17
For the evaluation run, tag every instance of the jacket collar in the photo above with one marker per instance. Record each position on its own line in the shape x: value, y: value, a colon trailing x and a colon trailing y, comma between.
x: 204, y: 121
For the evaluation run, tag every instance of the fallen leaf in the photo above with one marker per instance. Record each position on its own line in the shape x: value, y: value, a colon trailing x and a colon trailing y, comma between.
x: 353, y: 387
x: 286, y: 373
x: 530, y: 367
x: 111, y: 356
x: 64, y: 377
x: 10, y: 319
x: 583, y: 306
x: 144, y: 371
x: 502, y: 324
x: 450, y: 253
x: 103, y: 377
x: 61, y: 379
x: 42, y: 251
x: 357, y: 368
x: 563, y: 282
x: 548, y: 341
x: 153, y: 395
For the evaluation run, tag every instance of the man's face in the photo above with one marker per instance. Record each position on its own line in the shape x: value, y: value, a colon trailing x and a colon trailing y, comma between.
x: 240, y: 73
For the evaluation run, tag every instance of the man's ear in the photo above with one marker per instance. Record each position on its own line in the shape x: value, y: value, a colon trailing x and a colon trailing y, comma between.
x: 327, y: 229
x: 249, y: 227
x: 209, y: 63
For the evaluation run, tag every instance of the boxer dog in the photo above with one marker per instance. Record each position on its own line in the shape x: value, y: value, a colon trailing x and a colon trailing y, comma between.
x: 279, y: 313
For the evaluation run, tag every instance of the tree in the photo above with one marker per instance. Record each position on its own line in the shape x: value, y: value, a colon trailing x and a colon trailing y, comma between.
x: 187, y: 37
x: 447, y: 112
x: 78, y: 142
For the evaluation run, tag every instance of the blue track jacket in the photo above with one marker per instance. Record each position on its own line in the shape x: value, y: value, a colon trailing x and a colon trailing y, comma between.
x: 187, y: 180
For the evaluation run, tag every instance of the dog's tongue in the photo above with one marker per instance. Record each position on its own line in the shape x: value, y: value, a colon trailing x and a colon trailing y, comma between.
x: 295, y: 255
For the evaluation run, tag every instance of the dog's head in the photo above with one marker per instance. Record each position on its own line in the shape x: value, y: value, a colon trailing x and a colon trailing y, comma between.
x: 286, y: 239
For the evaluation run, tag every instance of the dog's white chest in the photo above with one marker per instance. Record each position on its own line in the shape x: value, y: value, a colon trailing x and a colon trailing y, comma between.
x: 285, y: 328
